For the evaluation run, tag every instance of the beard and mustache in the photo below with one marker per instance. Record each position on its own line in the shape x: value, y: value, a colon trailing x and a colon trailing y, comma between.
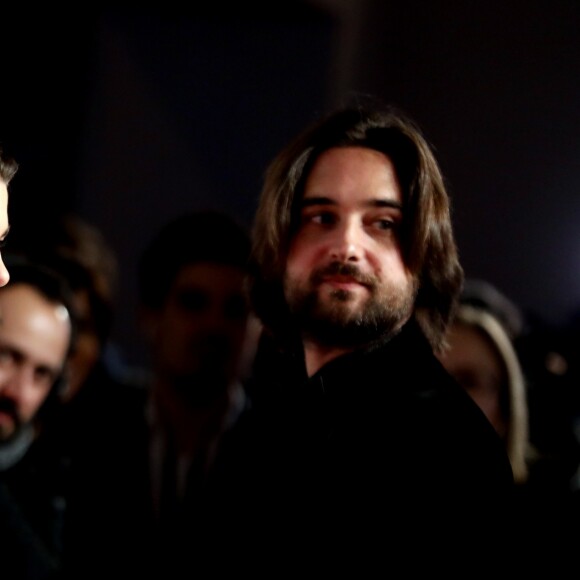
x: 8, y: 407
x: 334, y: 321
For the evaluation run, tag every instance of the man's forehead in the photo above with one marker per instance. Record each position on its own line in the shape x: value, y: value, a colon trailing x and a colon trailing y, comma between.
x: 370, y: 203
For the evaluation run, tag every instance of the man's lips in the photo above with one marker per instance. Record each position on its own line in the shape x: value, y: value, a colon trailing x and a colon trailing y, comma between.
x: 343, y: 276
x: 339, y: 281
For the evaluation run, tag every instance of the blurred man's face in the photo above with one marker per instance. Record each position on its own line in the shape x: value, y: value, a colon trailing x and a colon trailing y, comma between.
x: 34, y: 339
x: 199, y: 333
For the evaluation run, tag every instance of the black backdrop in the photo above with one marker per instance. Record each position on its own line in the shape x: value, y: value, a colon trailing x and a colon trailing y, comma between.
x: 129, y: 115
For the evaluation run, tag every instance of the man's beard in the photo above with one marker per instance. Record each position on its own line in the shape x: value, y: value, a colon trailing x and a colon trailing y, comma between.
x: 8, y: 407
x: 332, y: 321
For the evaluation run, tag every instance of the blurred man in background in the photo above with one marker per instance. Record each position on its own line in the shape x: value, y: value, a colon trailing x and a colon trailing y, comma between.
x: 36, y: 335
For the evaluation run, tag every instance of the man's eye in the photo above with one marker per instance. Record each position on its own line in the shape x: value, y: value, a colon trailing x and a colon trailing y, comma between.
x: 44, y: 377
x: 382, y: 224
x: 385, y: 224
x: 322, y: 218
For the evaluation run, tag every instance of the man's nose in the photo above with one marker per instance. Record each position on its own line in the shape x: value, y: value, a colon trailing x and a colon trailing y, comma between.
x: 9, y: 390
x: 13, y: 382
x: 348, y: 241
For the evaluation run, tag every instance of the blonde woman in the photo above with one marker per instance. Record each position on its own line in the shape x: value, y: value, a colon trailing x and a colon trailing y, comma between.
x: 482, y: 357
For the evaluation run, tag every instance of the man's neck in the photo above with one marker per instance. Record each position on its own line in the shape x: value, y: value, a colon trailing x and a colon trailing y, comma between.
x: 316, y: 355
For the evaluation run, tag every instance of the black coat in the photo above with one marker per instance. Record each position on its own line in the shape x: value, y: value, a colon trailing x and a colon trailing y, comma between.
x: 32, y: 509
x: 378, y: 454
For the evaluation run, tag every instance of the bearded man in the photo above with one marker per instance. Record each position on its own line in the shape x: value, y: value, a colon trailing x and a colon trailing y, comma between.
x: 360, y: 450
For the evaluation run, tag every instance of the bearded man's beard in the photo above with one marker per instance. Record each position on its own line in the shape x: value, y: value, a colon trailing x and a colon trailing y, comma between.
x: 9, y: 407
x: 333, y: 321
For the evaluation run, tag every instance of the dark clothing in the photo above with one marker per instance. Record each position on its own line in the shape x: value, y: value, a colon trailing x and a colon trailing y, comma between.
x: 32, y: 508
x: 113, y: 521
x: 378, y: 456
x: 99, y: 433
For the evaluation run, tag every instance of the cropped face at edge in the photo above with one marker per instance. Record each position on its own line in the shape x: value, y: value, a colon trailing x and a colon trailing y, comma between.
x: 345, y: 271
x: 4, y: 227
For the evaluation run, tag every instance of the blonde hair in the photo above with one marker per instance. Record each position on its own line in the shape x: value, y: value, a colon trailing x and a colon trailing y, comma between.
x: 517, y: 436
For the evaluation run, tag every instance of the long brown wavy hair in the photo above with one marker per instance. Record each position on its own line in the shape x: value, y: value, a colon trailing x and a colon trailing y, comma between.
x: 427, y: 238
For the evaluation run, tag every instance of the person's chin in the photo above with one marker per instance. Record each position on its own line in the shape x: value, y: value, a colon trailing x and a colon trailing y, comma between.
x: 346, y: 289
x: 347, y: 301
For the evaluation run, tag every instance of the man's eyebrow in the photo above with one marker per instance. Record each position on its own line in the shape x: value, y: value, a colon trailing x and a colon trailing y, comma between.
x: 392, y: 203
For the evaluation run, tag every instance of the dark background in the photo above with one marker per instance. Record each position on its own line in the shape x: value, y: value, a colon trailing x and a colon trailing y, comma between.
x: 129, y: 115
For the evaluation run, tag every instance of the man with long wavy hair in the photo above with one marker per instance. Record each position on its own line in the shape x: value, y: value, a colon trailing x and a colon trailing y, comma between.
x: 360, y: 448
